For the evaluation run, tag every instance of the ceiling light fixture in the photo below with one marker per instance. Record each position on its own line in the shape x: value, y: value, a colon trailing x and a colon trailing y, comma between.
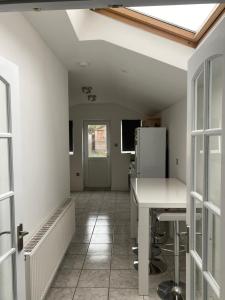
x: 86, y: 89
x: 83, y: 64
x: 92, y: 98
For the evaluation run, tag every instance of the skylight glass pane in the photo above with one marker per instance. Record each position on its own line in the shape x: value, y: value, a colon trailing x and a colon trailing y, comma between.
x: 190, y: 17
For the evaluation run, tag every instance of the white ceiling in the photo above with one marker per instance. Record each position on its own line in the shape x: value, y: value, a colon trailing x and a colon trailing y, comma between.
x: 117, y: 75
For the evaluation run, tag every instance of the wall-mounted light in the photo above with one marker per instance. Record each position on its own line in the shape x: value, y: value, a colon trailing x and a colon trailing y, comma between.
x: 86, y: 89
x: 92, y: 98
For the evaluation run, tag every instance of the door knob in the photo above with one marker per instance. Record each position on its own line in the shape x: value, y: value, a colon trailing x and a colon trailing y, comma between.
x: 20, y: 235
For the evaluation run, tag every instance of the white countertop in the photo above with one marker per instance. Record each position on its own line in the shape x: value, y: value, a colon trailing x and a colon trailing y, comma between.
x: 159, y: 192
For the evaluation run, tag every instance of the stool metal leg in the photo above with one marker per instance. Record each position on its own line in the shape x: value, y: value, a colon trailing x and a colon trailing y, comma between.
x: 173, y: 290
x: 176, y: 253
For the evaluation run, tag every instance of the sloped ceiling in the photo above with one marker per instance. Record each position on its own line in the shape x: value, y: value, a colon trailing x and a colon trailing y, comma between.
x: 117, y: 74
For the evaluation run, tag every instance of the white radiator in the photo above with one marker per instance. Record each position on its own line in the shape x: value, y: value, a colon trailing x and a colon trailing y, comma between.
x: 46, y: 249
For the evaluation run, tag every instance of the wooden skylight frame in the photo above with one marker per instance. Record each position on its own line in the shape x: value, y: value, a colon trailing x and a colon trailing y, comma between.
x: 162, y: 28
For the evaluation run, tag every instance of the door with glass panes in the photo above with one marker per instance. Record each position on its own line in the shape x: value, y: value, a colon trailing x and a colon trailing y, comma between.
x: 206, y: 209
x: 96, y: 155
x: 12, y: 279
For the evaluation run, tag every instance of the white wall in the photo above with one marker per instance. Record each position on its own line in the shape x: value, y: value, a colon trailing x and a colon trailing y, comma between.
x: 174, y: 119
x: 119, y: 162
x: 43, y: 155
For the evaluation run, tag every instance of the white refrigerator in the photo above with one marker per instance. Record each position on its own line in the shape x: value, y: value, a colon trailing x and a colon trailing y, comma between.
x: 150, y: 152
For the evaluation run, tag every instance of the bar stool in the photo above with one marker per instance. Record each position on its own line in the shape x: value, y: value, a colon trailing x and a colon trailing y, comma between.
x: 173, y: 289
x: 156, y: 264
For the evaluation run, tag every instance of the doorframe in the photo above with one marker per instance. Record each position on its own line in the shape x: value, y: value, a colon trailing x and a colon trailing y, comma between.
x: 205, y: 51
x: 84, y: 145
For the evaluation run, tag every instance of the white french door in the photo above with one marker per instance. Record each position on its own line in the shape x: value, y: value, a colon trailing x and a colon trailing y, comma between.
x: 206, y: 163
x: 12, y: 286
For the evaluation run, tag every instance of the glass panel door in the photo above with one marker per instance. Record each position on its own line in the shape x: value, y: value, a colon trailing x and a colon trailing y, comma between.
x: 205, y: 181
x: 96, y: 155
x: 7, y: 234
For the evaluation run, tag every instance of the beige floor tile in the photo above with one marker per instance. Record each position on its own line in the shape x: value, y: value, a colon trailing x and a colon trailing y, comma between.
x: 94, y: 278
x: 73, y: 261
x: 60, y: 294
x: 91, y: 294
x: 103, y: 229
x: 152, y: 295
x: 124, y: 294
x: 121, y: 238
x: 99, y: 249
x: 104, y: 222
x: 123, y: 279
x: 97, y: 262
x: 169, y: 260
x: 122, y: 249
x: 122, y: 262
x: 77, y: 248
x: 66, y: 278
x: 155, y: 280
x: 81, y: 238
x: 83, y: 229
x: 102, y: 238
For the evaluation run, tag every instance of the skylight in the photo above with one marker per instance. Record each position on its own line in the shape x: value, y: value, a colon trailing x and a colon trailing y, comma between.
x: 190, y: 17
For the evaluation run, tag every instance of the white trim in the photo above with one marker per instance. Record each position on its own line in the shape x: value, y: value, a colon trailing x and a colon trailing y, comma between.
x: 7, y: 254
x: 211, y: 281
x: 212, y: 208
x: 197, y: 196
x: 5, y: 135
x: 6, y: 195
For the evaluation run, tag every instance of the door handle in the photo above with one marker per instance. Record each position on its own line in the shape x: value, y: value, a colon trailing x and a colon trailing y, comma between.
x: 5, y: 232
x: 20, y: 235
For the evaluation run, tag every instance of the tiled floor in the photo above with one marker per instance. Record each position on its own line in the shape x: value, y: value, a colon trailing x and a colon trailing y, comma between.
x: 99, y: 262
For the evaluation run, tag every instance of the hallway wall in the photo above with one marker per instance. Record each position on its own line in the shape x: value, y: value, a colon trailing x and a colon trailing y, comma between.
x: 174, y: 119
x: 119, y: 161
x: 43, y: 153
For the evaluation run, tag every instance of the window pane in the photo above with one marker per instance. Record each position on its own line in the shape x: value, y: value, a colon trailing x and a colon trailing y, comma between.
x: 214, y: 170
x: 128, y: 134
x: 5, y: 226
x: 213, y: 263
x: 198, y: 282
x: 190, y: 17
x: 3, y: 108
x: 199, y: 101
x: 216, y: 92
x: 4, y: 166
x: 97, y: 140
x: 71, y: 150
x: 198, y: 164
x: 6, y: 280
x: 198, y: 227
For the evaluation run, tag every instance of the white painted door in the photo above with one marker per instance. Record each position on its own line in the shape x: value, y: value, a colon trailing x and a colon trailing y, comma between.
x: 206, y: 173
x: 96, y: 154
x: 12, y: 287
